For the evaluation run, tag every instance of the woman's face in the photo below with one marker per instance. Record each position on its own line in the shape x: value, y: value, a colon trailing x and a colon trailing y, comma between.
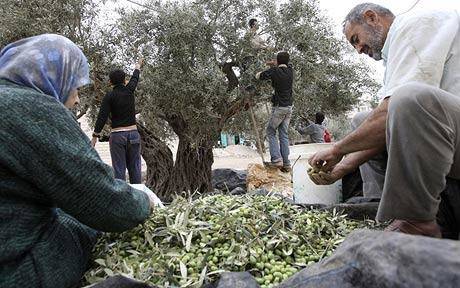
x: 73, y: 99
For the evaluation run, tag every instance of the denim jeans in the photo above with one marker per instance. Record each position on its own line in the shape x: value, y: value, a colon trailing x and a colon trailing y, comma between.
x: 279, y: 120
x: 125, y: 150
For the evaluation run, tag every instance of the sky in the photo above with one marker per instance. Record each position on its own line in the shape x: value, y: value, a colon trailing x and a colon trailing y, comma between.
x: 336, y: 10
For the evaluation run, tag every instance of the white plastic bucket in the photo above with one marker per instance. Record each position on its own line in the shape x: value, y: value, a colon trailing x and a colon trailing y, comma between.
x: 305, y: 191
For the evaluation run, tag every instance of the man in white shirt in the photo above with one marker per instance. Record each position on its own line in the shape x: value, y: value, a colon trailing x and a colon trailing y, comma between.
x: 257, y: 42
x: 418, y: 119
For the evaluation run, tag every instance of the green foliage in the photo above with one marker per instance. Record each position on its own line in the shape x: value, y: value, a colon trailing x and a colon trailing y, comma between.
x: 187, y: 42
x: 76, y: 19
x: 339, y: 126
x: 23, y: 18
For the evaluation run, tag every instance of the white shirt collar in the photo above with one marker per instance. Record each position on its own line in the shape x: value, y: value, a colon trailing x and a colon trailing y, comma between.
x: 386, y: 45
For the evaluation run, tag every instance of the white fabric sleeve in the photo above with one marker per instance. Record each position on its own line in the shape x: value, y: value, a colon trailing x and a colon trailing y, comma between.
x: 153, y: 198
x: 418, y: 50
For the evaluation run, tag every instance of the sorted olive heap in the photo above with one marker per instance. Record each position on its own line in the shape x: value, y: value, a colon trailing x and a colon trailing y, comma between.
x: 190, y: 243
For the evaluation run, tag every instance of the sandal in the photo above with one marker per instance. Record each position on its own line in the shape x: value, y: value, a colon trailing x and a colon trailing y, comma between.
x: 428, y: 228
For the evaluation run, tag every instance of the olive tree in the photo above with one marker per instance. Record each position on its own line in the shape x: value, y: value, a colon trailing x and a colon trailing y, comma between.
x: 76, y: 19
x: 195, y: 83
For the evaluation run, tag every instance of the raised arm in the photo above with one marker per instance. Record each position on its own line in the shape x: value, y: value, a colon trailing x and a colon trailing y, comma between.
x: 132, y: 84
x: 305, y: 129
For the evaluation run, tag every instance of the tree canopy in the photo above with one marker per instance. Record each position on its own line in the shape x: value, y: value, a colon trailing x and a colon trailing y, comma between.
x: 188, y: 42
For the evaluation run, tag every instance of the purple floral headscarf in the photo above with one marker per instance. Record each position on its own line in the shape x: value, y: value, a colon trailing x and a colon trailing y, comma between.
x: 48, y: 63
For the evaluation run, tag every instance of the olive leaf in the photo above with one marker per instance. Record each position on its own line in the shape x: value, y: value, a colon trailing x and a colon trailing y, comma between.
x: 202, y: 276
x: 189, y: 241
x: 100, y: 262
x: 183, y: 269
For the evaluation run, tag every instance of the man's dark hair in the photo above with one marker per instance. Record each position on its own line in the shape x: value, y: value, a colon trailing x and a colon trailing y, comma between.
x: 282, y: 58
x: 117, y: 77
x: 319, y: 118
x: 252, y: 22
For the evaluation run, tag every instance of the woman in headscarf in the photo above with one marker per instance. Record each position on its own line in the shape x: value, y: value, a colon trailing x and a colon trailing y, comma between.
x: 55, y: 192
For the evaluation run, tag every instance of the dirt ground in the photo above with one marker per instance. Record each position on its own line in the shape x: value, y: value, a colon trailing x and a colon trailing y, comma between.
x: 234, y: 156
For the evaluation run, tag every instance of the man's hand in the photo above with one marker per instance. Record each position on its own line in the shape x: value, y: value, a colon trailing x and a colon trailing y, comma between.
x: 338, y: 172
x: 325, y: 160
x: 139, y: 63
x: 347, y: 165
x: 94, y: 141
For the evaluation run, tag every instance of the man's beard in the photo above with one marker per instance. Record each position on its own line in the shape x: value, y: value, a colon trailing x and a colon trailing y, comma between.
x: 376, y: 41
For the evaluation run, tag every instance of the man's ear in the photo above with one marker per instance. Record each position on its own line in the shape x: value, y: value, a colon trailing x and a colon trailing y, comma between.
x: 371, y: 17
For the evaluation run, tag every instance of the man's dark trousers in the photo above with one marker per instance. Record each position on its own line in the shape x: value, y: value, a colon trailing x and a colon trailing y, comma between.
x: 125, y: 150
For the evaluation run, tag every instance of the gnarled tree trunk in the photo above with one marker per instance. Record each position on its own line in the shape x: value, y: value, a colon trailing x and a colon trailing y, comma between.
x: 192, y: 169
x: 190, y: 172
x: 159, y: 160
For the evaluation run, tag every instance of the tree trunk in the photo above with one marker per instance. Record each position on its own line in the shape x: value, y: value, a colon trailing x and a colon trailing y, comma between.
x: 159, y: 160
x: 192, y: 170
